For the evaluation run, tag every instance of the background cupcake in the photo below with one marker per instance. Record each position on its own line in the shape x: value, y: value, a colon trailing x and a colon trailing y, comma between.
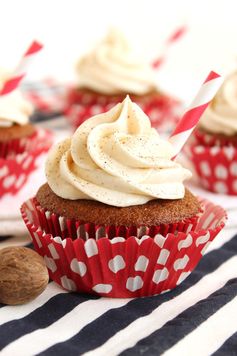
x: 111, y: 71
x: 20, y: 142
x: 213, y: 147
x: 114, y: 217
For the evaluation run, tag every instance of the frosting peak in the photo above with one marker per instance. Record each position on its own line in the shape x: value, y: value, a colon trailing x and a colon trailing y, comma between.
x: 13, y: 107
x: 221, y: 115
x: 113, y: 68
x: 116, y: 158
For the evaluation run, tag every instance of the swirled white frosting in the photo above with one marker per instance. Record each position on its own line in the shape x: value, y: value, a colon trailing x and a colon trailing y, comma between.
x: 221, y: 115
x: 112, y: 68
x: 116, y: 158
x: 14, y: 109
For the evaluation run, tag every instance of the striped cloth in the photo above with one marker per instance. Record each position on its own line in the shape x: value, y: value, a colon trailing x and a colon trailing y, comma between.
x: 197, y: 318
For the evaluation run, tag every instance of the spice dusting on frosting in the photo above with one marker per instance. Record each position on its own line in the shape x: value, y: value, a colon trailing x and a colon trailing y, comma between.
x: 116, y: 158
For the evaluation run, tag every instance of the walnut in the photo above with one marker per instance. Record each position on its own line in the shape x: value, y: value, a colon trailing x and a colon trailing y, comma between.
x: 23, y: 275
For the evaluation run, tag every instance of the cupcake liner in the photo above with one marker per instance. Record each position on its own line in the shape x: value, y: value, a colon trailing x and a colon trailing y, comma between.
x: 16, y: 167
x: 159, y: 107
x: 61, y: 226
x: 206, y: 139
x: 216, y: 167
x: 121, y: 267
x: 16, y: 146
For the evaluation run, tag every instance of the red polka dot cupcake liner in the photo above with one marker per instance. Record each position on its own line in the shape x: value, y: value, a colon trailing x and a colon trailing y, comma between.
x: 216, y: 167
x: 16, y: 167
x: 82, y: 106
x: 135, y: 266
x: 210, y: 140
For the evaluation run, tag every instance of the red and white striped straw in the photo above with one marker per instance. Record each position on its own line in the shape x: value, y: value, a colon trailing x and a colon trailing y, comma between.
x: 20, y: 72
x: 175, y: 36
x: 193, y: 114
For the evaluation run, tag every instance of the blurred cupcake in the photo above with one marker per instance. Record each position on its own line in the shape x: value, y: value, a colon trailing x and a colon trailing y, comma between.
x: 20, y: 141
x: 213, y: 148
x: 114, y: 217
x: 110, y: 72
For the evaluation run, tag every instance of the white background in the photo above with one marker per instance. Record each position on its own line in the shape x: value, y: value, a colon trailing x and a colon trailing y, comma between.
x: 70, y: 27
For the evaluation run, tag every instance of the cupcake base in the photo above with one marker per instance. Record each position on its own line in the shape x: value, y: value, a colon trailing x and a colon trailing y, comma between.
x: 120, y: 267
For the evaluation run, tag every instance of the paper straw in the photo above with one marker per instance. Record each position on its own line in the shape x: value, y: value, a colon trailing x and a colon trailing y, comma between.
x: 193, y: 114
x: 175, y: 36
x: 20, y: 72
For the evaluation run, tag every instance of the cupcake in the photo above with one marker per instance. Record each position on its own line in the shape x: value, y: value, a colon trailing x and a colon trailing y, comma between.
x: 111, y: 71
x: 20, y: 141
x: 114, y: 217
x: 213, y: 147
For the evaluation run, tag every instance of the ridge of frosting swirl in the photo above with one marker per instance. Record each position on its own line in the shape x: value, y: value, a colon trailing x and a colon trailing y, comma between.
x: 221, y: 115
x: 116, y: 158
x: 113, y: 68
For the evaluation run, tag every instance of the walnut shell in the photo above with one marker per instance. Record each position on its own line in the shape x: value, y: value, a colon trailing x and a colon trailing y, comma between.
x: 23, y: 275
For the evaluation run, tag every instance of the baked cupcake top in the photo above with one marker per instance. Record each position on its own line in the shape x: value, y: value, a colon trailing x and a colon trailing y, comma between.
x: 221, y: 115
x: 113, y: 68
x: 116, y: 158
x: 14, y: 109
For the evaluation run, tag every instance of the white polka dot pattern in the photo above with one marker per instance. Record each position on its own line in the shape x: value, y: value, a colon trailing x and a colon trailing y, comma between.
x: 68, y: 284
x: 78, y: 267
x: 53, y: 251
x: 203, y: 239
x: 181, y: 263
x: 233, y: 169
x: 220, y: 187
x: 91, y: 248
x: 102, y: 288
x: 122, y: 267
x: 134, y: 283
x: 163, y: 257
x: 3, y: 171
x: 221, y: 172
x: 216, y: 166
x: 9, y: 181
x: 15, y: 169
x: 116, y: 264
x: 50, y: 263
x: 205, y: 168
x: 141, y: 264
x: 160, y: 275
x: 186, y: 242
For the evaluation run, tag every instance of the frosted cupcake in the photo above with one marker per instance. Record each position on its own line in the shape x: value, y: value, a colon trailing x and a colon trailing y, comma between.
x: 111, y: 71
x: 213, y: 149
x: 114, y: 217
x: 20, y: 141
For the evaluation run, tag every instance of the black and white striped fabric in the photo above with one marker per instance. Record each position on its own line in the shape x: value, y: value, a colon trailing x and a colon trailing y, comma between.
x: 197, y: 318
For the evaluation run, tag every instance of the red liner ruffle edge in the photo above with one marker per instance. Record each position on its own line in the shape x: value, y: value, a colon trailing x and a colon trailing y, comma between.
x: 216, y: 166
x: 123, y: 267
x: 17, y: 146
x: 206, y: 139
x: 16, y: 168
x: 82, y: 106
x: 60, y: 226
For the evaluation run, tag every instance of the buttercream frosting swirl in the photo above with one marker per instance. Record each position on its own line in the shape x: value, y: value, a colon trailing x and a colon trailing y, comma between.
x: 116, y: 158
x: 221, y: 115
x: 113, y: 68
x: 14, y: 109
